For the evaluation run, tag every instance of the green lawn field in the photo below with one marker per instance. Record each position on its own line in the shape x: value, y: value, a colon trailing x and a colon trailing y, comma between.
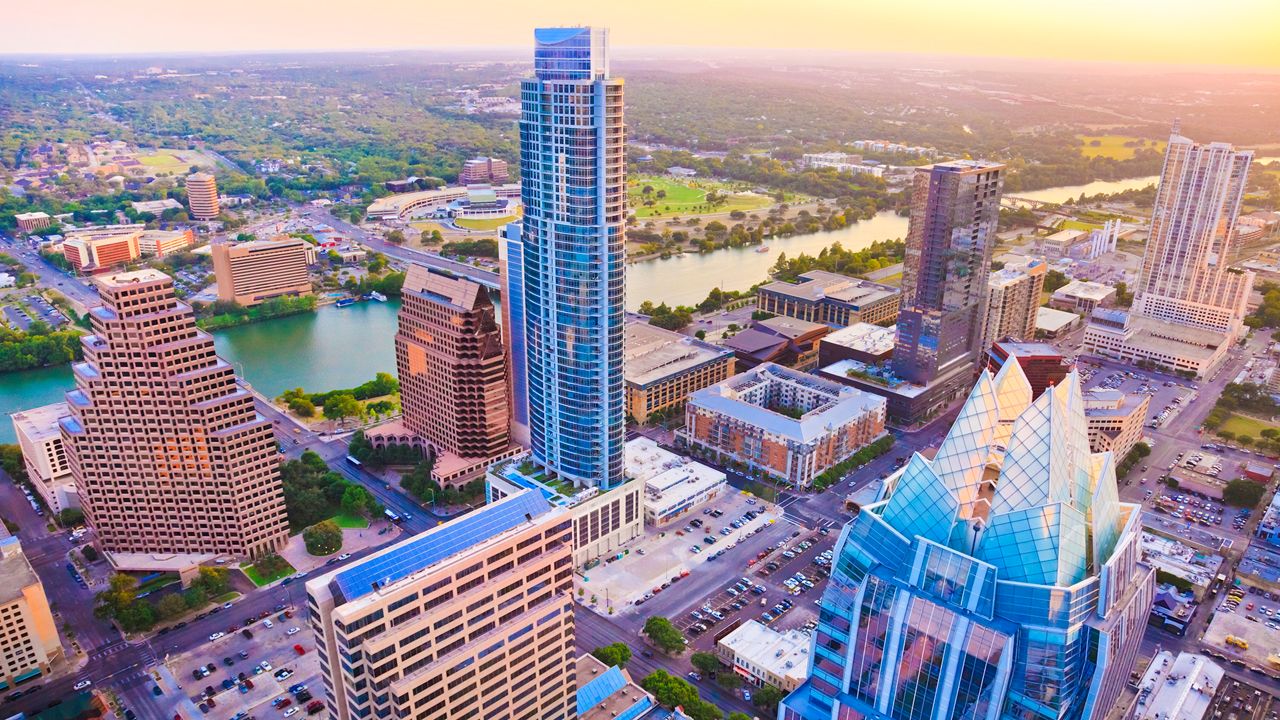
x: 1077, y: 225
x: 1241, y: 425
x: 1113, y: 146
x: 258, y: 579
x: 484, y: 223
x: 343, y: 520
x: 687, y: 198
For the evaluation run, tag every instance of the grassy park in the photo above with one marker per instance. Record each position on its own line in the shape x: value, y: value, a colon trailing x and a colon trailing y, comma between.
x: 177, y: 162
x: 484, y: 223
x: 676, y: 198
x: 267, y: 570
x: 1242, y: 425
x: 353, y: 522
x: 1113, y: 146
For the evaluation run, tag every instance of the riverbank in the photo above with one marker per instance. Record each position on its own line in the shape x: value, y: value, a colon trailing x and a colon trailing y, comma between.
x: 228, y: 315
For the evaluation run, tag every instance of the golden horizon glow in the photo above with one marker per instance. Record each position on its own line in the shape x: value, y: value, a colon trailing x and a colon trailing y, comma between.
x: 1177, y: 32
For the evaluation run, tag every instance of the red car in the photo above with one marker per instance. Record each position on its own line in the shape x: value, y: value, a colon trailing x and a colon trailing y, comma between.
x: 314, y: 707
x: 299, y: 649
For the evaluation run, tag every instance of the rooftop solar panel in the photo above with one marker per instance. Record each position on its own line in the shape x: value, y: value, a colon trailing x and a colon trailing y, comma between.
x: 437, y: 544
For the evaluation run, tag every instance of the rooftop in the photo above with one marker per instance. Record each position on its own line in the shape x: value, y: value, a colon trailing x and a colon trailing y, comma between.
x: 1067, y: 236
x: 784, y: 654
x: 791, y: 328
x: 1029, y: 349
x: 1177, y: 689
x: 652, y: 353
x: 1051, y: 320
x: 443, y: 287
x: 122, y: 279
x: 38, y: 424
x: 1086, y: 290
x: 15, y: 569
x: 607, y: 692
x: 864, y: 337
x: 754, y: 397
x: 818, y: 284
x: 409, y: 557
x: 1198, y: 344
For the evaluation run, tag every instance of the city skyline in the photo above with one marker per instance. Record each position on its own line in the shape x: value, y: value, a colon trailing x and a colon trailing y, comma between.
x: 1221, y: 33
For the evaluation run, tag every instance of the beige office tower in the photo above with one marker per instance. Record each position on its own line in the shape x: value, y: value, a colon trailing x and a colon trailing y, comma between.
x: 1013, y: 301
x: 250, y: 272
x: 202, y: 196
x: 29, y: 644
x: 470, y: 619
x: 168, y: 453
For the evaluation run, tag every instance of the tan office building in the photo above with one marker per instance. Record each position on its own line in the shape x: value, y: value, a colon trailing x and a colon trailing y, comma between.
x: 1013, y: 301
x: 470, y: 619
x: 29, y: 644
x: 28, y: 222
x: 662, y: 367
x: 102, y: 248
x: 1115, y: 420
x: 168, y: 453
x: 202, y: 196
x: 45, y: 455
x: 251, y: 272
x: 160, y: 243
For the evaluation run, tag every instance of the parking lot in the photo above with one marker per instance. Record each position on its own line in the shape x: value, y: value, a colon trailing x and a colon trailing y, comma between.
x: 1250, y: 617
x: 1168, y: 398
x: 707, y: 540
x: 21, y: 312
x: 247, y: 670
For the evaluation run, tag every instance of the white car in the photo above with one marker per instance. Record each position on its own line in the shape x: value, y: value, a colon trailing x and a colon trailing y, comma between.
x: 83, y: 684
x: 266, y: 666
x: 291, y: 711
x: 344, y: 556
x: 226, y: 606
x: 216, y: 635
x: 293, y: 631
x: 267, y: 624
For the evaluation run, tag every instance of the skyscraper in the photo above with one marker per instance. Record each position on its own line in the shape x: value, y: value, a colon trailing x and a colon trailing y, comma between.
x: 511, y: 258
x: 1189, y: 306
x: 1013, y: 301
x: 202, y: 196
x: 168, y: 453
x: 470, y: 619
x: 941, y: 326
x: 998, y: 580
x: 1185, y: 278
x: 573, y: 175
x: 452, y: 368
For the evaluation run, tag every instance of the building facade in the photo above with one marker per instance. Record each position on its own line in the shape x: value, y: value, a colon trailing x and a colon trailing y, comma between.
x: 29, y: 222
x: 573, y: 179
x: 250, y: 272
x: 45, y: 455
x: 1082, y: 296
x: 511, y: 258
x: 1043, y: 364
x: 1013, y: 297
x: 781, y: 422
x: 483, y: 170
x: 29, y: 643
x: 764, y: 656
x: 663, y: 367
x: 470, y: 619
x: 161, y: 243
x: 830, y: 298
x: 168, y: 453
x: 942, y: 322
x: 202, y: 196
x: 102, y: 249
x: 674, y: 486
x: 1115, y: 420
x: 1001, y: 579
x: 452, y: 368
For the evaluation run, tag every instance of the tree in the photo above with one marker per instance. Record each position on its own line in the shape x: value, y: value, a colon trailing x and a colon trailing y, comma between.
x: 728, y: 680
x: 1055, y: 279
x: 669, y: 690
x: 302, y: 407
x: 1227, y: 435
x: 613, y: 654
x: 213, y: 581
x: 90, y: 553
x: 355, y: 500
x: 395, y: 237
x: 739, y: 716
x: 767, y: 698
x: 341, y: 407
x: 1243, y: 493
x: 323, y: 538
x: 664, y: 634
x: 171, y: 606
x: 71, y: 517
x: 705, y: 662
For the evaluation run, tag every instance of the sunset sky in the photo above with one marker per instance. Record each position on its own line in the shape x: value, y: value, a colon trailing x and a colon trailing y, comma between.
x: 1184, y: 32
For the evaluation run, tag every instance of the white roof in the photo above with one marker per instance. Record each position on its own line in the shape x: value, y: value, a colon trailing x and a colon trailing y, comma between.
x: 785, y: 654
x: 1051, y: 320
x: 1177, y: 689
x: 1086, y: 290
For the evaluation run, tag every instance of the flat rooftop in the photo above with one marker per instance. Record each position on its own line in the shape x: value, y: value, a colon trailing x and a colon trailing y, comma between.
x: 122, y: 279
x: 1198, y: 344
x: 1051, y: 320
x: 1178, y: 688
x: 652, y: 354
x: 15, y: 569
x: 1086, y: 290
x: 1030, y: 349
x: 607, y: 692
x: 864, y: 337
x: 791, y: 328
x: 784, y: 654
x: 40, y: 423
x: 819, y: 284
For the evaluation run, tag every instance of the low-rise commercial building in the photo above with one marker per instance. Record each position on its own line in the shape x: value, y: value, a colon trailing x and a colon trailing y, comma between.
x: 609, y: 693
x: 28, y: 222
x: 1042, y: 363
x: 662, y: 367
x: 1082, y: 296
x: 1063, y: 244
x: 674, y: 486
x: 102, y: 248
x: 782, y: 340
x: 1180, y: 688
x: 603, y: 522
x: 1053, y: 324
x: 155, y: 207
x: 764, y: 656
x: 472, y: 618
x: 863, y: 342
x: 29, y: 644
x: 1146, y: 341
x: 781, y: 422
x: 1115, y: 420
x: 250, y: 272
x: 161, y: 243
x: 483, y: 170
x: 830, y: 298
x: 44, y: 455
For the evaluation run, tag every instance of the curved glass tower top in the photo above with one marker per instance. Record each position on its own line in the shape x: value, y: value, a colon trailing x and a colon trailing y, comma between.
x: 573, y: 176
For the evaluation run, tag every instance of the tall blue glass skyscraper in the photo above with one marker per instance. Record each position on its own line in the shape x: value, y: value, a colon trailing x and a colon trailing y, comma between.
x: 573, y: 176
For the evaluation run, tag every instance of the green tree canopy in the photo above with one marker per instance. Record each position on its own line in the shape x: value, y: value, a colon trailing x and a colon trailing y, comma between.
x: 323, y: 538
x: 613, y: 654
x: 1243, y: 493
x: 664, y: 634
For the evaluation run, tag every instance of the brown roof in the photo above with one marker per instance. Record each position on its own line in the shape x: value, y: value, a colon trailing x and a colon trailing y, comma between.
x: 451, y: 289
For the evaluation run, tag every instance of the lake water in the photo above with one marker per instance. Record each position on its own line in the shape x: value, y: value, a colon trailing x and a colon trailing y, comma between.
x: 343, y: 347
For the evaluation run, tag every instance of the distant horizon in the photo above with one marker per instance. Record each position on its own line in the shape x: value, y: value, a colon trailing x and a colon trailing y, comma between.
x: 1230, y: 33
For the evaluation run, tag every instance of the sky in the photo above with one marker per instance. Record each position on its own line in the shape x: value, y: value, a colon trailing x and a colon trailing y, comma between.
x: 1182, y: 32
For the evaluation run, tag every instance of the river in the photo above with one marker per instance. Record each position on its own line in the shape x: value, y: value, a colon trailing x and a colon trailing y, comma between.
x: 343, y: 347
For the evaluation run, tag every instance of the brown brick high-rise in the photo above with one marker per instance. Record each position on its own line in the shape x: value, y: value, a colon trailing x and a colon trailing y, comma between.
x: 166, y: 448
x: 451, y: 364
